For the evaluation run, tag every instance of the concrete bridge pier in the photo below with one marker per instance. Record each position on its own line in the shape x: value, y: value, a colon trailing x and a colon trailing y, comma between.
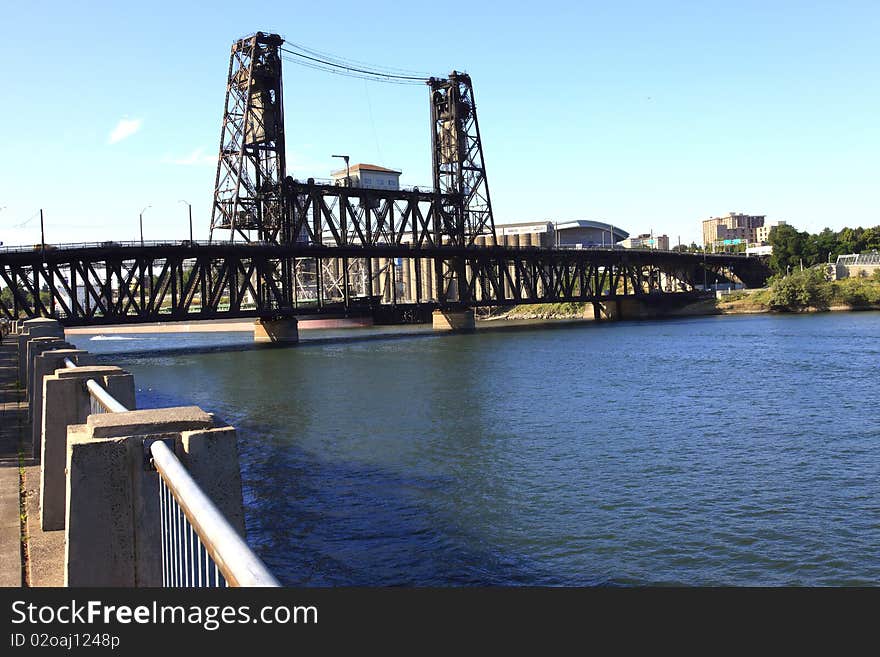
x: 454, y: 320
x: 606, y: 310
x: 649, y: 306
x: 276, y: 331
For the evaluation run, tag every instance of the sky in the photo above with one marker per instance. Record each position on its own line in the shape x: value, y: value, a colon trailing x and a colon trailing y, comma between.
x: 651, y: 116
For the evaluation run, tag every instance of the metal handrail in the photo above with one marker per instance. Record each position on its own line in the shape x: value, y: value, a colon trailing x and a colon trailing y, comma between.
x: 104, y: 398
x: 237, y: 562
x: 99, y: 394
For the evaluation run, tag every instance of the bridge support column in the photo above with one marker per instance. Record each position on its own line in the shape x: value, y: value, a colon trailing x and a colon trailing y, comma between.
x: 276, y: 331
x: 628, y: 308
x: 606, y: 310
x: 453, y: 320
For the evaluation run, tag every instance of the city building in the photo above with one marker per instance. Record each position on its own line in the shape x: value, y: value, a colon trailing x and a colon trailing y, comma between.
x: 574, y: 234
x: 647, y: 241
x: 735, y: 228
x: 368, y: 175
x: 762, y: 233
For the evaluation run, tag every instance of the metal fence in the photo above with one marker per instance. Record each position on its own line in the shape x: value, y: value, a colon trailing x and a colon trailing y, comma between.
x: 199, y: 546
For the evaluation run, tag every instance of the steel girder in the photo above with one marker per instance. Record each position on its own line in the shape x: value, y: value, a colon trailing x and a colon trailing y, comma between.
x: 82, y: 286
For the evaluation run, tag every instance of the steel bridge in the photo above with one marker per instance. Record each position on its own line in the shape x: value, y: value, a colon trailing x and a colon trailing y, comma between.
x: 109, y: 283
x: 306, y: 247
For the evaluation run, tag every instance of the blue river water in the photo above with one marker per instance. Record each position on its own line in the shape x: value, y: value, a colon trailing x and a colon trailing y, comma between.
x: 737, y: 450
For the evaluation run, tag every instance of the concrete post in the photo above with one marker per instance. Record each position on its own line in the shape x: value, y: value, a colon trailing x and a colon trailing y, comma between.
x: 67, y: 402
x: 35, y: 347
x: 405, y: 279
x: 45, y: 364
x: 113, y: 513
x: 99, y: 547
x: 428, y: 278
x: 34, y: 328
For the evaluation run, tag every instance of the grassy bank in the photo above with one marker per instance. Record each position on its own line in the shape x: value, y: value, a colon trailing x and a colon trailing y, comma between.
x: 807, y: 290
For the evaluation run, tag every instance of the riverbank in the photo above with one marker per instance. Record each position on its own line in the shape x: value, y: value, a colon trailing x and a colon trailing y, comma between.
x: 801, y: 292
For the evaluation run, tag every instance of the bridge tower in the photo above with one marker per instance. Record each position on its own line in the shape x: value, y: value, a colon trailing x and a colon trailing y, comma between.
x: 465, y: 209
x: 248, y: 197
x: 458, y: 166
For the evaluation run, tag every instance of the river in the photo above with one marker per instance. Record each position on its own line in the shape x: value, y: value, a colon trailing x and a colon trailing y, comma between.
x: 735, y: 450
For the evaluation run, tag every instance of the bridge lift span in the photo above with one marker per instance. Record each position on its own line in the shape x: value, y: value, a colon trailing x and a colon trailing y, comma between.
x: 254, y: 198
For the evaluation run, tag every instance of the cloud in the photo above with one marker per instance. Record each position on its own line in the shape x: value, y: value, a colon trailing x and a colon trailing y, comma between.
x: 124, y: 129
x: 196, y: 158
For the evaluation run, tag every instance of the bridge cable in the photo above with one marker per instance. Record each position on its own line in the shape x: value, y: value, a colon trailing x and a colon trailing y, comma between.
x: 354, y: 62
x: 341, y: 68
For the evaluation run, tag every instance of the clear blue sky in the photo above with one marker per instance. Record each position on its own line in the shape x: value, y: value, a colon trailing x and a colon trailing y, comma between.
x: 650, y: 115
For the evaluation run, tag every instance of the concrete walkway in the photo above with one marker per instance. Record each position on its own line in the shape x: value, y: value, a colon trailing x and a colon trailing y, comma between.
x: 13, y: 416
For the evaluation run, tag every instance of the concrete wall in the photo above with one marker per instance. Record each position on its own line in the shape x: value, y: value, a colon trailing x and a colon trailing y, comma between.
x: 96, y: 483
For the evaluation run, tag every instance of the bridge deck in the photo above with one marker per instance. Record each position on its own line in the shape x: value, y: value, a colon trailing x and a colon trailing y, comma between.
x: 116, y: 283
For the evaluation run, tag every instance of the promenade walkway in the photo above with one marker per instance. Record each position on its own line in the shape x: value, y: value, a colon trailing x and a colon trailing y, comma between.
x: 13, y: 415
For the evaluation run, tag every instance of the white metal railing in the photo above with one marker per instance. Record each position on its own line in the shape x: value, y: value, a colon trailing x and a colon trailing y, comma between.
x: 199, y: 546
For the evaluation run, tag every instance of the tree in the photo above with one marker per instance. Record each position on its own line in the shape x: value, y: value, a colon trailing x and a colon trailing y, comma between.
x: 789, y: 247
x: 803, y: 288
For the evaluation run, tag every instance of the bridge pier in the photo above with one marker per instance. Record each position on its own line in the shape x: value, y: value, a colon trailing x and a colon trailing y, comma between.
x: 453, y: 320
x: 276, y: 331
x: 649, y: 306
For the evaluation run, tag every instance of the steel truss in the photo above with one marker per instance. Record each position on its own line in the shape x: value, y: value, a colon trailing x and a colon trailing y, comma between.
x: 457, y: 158
x: 250, y: 166
x: 191, y: 281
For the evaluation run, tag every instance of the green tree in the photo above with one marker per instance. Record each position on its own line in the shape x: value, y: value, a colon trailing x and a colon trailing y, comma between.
x: 871, y: 239
x: 800, y: 289
x: 789, y: 248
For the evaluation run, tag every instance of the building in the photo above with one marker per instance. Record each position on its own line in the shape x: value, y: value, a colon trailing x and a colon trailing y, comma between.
x: 574, y: 234
x: 734, y: 228
x: 647, y: 241
x: 368, y: 175
x: 762, y: 233
x: 855, y: 265
x: 759, y: 250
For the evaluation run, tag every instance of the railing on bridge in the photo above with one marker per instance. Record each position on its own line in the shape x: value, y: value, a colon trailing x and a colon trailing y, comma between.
x: 199, y: 546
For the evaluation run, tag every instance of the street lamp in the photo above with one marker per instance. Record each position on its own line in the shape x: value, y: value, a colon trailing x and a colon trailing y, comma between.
x: 142, y: 223
x: 189, y: 205
x: 347, y: 178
